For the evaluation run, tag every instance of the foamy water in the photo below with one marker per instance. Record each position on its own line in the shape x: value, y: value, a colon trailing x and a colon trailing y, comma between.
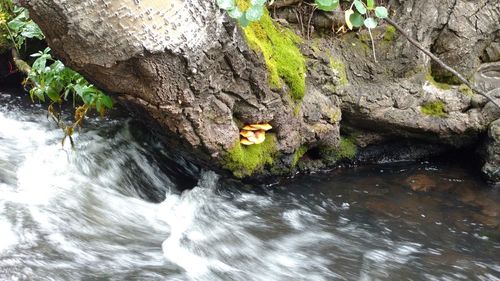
x: 113, y: 209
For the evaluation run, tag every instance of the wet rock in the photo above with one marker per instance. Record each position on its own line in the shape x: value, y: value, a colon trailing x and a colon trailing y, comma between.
x: 421, y: 182
x: 491, y: 167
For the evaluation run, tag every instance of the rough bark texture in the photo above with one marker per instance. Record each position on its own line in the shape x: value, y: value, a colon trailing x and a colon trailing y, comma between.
x: 189, y: 66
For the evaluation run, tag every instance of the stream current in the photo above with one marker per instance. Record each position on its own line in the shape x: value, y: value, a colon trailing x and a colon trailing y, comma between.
x: 120, y: 206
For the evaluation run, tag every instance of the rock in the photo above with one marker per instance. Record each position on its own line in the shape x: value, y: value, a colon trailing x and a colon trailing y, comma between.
x: 200, y: 76
x: 491, y: 168
x: 421, y: 182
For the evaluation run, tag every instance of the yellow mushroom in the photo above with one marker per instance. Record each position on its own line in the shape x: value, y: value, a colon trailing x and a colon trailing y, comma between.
x: 253, y: 139
x: 260, y: 135
x: 245, y: 141
x: 249, y: 128
x: 265, y: 127
x: 246, y: 133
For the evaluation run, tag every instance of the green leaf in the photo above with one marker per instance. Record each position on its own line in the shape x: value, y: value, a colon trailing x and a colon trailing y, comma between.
x: 356, y: 19
x: 37, y: 92
x: 330, y: 6
x: 347, y: 16
x: 324, y: 2
x: 381, y: 12
x: 31, y: 30
x: 244, y: 22
x: 370, y: 23
x: 370, y: 4
x: 226, y: 4
x: 258, y: 2
x: 98, y: 106
x: 235, y: 13
x: 255, y: 13
x: 360, y: 6
x: 39, y: 64
x: 107, y: 101
x: 87, y: 98
x: 53, y: 94
x: 15, y: 25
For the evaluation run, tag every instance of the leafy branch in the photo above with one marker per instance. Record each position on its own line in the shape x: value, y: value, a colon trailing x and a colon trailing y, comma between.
x: 48, y: 79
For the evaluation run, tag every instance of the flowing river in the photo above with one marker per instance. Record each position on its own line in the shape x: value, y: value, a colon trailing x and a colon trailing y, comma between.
x: 120, y: 206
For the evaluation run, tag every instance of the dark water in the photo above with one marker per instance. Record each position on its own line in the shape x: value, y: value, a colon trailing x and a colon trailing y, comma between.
x: 88, y: 214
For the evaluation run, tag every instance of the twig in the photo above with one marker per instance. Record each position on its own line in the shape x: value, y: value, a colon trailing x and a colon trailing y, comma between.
x: 373, y: 45
x: 440, y: 62
x: 309, y: 23
x: 21, y: 65
x: 11, y: 36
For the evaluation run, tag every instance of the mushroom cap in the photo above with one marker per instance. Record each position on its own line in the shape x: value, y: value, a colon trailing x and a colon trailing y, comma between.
x: 249, y: 128
x: 246, y: 133
x: 245, y: 141
x: 260, y: 136
x: 253, y: 139
x: 265, y: 127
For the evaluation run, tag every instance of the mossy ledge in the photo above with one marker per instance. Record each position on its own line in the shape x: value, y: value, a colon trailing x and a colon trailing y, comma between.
x: 244, y: 161
x: 434, y: 109
x: 278, y: 46
x: 346, y: 150
x: 442, y: 86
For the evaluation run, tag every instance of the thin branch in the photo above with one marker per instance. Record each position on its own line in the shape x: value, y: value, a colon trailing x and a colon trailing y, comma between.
x: 373, y: 45
x: 309, y: 23
x: 440, y: 62
x: 21, y: 65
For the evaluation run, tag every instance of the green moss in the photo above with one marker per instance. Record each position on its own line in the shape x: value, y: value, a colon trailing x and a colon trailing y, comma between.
x: 447, y: 79
x: 442, y: 86
x: 283, y: 58
x: 245, y: 160
x: 339, y: 67
x: 434, y: 108
x: 464, y: 89
x: 390, y: 32
x: 297, y: 155
x: 296, y: 110
x: 346, y: 150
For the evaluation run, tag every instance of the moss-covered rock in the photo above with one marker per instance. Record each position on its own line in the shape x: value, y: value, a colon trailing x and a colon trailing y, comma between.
x: 244, y: 160
x: 346, y: 150
x: 464, y: 89
x: 339, y: 67
x: 278, y: 46
x: 439, y: 85
x: 389, y: 34
x: 298, y: 154
x: 434, y: 108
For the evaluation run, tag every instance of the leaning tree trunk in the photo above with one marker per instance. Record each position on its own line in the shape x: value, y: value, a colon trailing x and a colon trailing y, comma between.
x: 189, y: 66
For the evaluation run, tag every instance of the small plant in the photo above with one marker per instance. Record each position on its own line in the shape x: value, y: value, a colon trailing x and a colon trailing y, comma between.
x: 434, y: 109
x: 360, y: 13
x: 48, y: 79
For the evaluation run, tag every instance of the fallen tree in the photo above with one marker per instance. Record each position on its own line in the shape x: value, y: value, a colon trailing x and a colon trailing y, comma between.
x: 202, y: 77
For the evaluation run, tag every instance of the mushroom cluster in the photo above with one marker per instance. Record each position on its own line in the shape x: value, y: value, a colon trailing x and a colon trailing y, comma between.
x: 254, y: 133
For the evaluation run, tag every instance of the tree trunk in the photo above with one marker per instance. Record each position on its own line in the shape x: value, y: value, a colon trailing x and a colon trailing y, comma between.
x: 190, y: 67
